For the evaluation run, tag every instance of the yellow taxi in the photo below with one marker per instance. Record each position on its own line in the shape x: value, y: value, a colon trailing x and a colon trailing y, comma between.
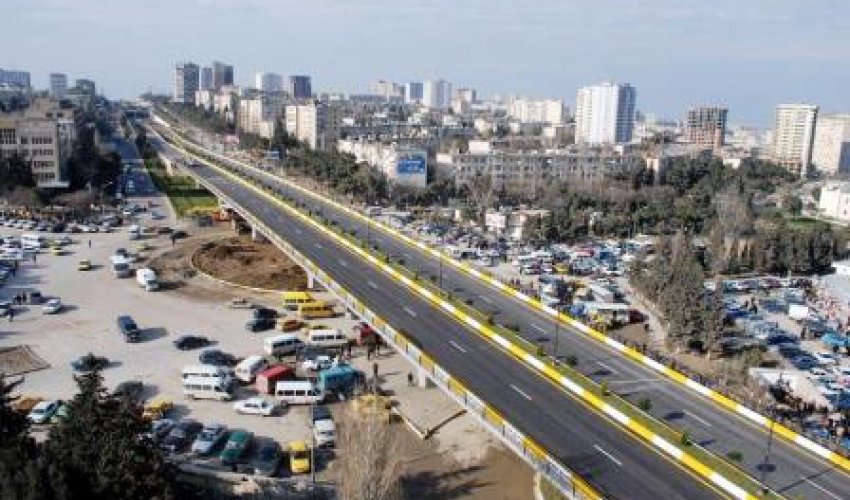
x: 299, y: 457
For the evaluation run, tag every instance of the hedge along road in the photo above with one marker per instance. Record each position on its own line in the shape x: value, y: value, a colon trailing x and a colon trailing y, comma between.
x: 614, y: 462
x: 791, y: 470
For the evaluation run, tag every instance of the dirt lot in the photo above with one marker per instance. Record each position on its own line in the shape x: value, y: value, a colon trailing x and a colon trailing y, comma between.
x: 237, y: 259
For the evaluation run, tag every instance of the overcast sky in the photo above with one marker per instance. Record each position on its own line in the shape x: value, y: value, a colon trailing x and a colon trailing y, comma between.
x: 748, y: 55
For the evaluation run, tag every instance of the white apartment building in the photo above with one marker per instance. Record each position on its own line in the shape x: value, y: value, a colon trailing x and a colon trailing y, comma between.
x: 306, y: 122
x: 437, y: 94
x: 835, y: 201
x: 268, y: 82
x: 388, y: 90
x: 58, y: 85
x: 186, y: 82
x: 512, y: 223
x: 258, y: 115
x: 793, y: 136
x: 831, y: 149
x: 403, y: 166
x: 530, y: 171
x: 605, y: 113
x: 44, y: 135
x: 549, y: 111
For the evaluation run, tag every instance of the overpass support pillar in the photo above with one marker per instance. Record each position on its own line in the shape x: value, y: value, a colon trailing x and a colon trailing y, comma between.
x: 311, y: 281
x: 422, y: 378
x: 257, y: 236
x: 234, y: 224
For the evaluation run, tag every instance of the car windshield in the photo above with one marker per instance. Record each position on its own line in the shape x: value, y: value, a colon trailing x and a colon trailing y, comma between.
x: 207, y: 435
x: 300, y: 455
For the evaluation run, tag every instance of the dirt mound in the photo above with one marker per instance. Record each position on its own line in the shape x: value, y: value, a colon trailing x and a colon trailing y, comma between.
x: 239, y: 260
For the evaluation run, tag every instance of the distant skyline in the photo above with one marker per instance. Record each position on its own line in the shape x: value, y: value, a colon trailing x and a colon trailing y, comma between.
x: 747, y: 56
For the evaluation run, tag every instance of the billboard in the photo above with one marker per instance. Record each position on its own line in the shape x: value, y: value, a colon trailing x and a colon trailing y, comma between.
x: 411, y: 165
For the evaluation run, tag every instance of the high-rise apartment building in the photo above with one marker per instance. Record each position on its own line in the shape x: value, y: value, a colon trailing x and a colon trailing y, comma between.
x: 549, y: 111
x: 15, y: 78
x: 437, y: 94
x: 206, y: 78
x: 605, y: 113
x: 305, y: 122
x: 222, y: 75
x: 831, y: 149
x: 186, y: 82
x: 388, y: 90
x: 793, y: 136
x: 87, y: 86
x: 268, y: 82
x: 43, y: 134
x: 258, y: 115
x: 58, y: 85
x: 413, y: 92
x: 706, y: 126
x: 300, y: 87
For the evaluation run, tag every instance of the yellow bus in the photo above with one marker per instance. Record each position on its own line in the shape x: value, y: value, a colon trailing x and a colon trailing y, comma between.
x: 316, y: 309
x: 291, y: 300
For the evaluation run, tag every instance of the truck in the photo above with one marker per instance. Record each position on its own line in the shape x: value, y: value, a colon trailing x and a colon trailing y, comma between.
x: 340, y: 378
x: 120, y: 266
x: 266, y: 380
x: 146, y: 278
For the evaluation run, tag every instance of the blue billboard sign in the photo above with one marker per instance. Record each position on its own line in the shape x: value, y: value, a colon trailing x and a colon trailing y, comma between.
x: 411, y: 165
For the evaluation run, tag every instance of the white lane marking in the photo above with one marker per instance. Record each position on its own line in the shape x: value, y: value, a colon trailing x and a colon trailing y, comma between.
x: 517, y: 389
x: 318, y: 245
x: 410, y: 311
x: 343, y: 263
x: 486, y: 299
x: 538, y: 328
x: 456, y: 346
x: 373, y: 284
x: 603, y: 365
x: 821, y: 488
x: 610, y: 456
x: 697, y: 418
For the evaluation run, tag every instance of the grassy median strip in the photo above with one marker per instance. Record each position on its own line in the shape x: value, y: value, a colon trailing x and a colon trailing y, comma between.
x: 185, y: 195
x: 704, y: 463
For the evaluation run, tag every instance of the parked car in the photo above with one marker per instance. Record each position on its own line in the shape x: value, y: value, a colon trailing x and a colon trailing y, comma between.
x: 289, y: 324
x: 209, y: 438
x: 89, y: 363
x: 181, y: 435
x: 217, y: 358
x: 236, y: 447
x: 60, y: 415
x: 131, y: 389
x: 825, y: 358
x: 317, y: 363
x: 267, y: 459
x: 52, y: 306
x: 320, y: 412
x: 259, y: 324
x: 299, y: 457
x: 84, y: 265
x: 42, y: 412
x: 804, y: 362
x: 160, y: 428
x: 255, y: 406
x: 186, y: 342
x: 264, y: 312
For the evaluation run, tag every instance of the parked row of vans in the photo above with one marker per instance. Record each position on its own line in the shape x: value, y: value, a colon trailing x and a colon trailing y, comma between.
x: 307, y: 306
x: 207, y: 382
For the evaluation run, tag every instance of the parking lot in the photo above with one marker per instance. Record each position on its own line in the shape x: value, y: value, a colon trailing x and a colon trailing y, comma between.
x: 93, y: 299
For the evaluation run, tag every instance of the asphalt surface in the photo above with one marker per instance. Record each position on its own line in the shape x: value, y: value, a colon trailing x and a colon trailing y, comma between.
x: 614, y: 462
x: 790, y: 470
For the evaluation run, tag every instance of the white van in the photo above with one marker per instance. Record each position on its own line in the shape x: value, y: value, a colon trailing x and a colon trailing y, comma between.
x: 373, y: 211
x: 209, y: 372
x: 298, y: 392
x: 281, y: 345
x: 249, y: 367
x: 206, y: 388
x: 135, y: 232
x: 327, y: 337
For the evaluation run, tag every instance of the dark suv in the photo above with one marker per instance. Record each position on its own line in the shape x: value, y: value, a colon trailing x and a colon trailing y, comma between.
x: 129, y: 329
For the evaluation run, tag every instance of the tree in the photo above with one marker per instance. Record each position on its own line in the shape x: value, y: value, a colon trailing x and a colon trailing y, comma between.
x: 114, y: 462
x: 370, y: 467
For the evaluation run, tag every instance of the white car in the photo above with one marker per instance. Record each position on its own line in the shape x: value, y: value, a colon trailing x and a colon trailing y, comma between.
x: 42, y: 412
x: 255, y: 406
x: 825, y: 358
x: 52, y: 306
x: 318, y: 363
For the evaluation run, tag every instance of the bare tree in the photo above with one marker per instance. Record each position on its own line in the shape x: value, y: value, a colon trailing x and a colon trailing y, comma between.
x: 482, y: 194
x: 370, y: 466
x: 733, y: 213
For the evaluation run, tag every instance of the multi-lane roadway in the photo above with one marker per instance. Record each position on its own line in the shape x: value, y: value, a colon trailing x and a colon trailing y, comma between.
x: 790, y: 470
